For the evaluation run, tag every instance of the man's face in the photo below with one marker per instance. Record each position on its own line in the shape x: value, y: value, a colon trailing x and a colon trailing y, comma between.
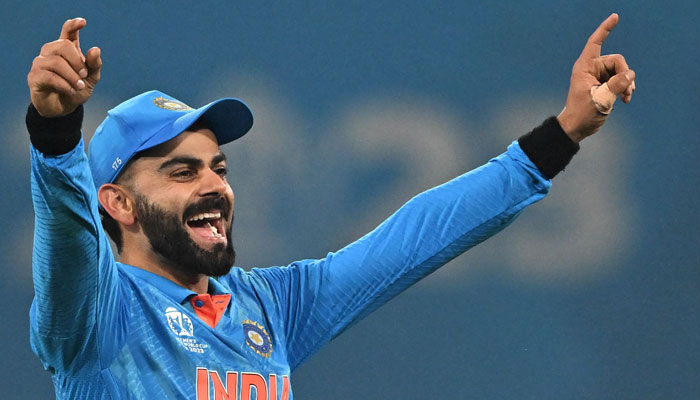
x: 184, y: 205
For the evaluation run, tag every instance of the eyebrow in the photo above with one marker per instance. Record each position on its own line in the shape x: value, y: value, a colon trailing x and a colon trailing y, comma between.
x: 218, y: 158
x: 191, y: 161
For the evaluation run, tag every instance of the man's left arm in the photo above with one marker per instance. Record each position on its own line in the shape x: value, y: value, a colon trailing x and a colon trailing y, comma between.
x: 318, y: 299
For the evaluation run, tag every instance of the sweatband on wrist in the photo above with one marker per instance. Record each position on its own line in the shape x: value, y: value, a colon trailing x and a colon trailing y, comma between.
x: 549, y: 147
x: 54, y: 136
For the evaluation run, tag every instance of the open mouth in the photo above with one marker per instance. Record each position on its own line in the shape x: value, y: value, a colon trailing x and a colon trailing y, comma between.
x: 208, y: 226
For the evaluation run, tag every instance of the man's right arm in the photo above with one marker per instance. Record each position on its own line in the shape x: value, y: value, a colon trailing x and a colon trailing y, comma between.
x: 74, y: 276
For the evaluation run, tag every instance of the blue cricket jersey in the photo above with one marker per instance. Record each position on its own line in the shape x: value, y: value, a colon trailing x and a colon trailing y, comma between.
x: 106, y: 330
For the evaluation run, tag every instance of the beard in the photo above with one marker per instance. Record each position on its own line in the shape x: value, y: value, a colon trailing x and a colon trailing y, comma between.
x: 170, y: 239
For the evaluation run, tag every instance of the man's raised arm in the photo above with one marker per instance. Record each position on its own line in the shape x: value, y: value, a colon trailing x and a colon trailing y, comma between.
x: 71, y: 256
x: 441, y: 223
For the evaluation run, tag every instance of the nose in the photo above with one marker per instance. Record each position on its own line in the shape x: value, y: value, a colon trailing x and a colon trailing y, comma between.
x: 212, y: 183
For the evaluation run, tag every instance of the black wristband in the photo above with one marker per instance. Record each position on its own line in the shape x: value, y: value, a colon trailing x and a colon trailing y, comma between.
x: 549, y: 147
x: 54, y: 136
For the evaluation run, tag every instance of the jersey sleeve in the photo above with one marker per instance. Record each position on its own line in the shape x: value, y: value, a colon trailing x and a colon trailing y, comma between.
x: 318, y: 299
x: 75, y: 277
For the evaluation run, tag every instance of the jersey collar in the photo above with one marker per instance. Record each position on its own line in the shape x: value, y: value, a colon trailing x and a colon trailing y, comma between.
x: 171, y: 289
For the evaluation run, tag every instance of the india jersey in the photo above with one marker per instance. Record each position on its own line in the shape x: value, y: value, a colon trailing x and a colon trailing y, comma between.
x: 106, y: 330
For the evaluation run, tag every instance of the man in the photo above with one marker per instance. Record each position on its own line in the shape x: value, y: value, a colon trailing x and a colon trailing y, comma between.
x: 173, y: 319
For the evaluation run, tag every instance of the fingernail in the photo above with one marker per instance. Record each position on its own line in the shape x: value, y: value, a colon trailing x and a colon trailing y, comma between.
x: 80, y: 84
x: 83, y: 73
x: 72, y: 91
x: 634, y: 87
x: 628, y: 75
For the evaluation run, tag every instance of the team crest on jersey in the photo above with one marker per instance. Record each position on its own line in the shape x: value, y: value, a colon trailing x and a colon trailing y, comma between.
x: 169, y: 104
x: 181, y: 325
x: 257, y: 338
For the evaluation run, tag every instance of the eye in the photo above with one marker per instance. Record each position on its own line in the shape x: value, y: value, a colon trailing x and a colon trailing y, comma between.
x: 221, y: 171
x: 183, y: 174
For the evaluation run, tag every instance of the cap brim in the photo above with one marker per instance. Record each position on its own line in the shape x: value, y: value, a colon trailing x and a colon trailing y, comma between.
x: 229, y: 118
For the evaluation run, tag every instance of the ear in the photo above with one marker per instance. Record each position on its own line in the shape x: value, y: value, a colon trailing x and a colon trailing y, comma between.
x: 118, y: 203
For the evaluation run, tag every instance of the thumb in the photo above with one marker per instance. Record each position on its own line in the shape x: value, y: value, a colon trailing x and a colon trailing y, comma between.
x: 94, y: 65
x: 619, y: 83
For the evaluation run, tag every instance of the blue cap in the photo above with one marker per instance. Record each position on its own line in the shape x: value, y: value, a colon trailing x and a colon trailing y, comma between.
x: 152, y: 118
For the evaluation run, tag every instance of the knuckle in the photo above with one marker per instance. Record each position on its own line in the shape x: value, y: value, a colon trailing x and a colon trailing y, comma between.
x: 63, y: 43
x: 49, y: 63
x: 56, y: 47
x: 31, y: 76
x: 47, y: 47
x: 620, y: 59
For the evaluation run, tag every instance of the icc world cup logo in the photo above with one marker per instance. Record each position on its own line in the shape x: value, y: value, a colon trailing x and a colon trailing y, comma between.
x: 179, y: 323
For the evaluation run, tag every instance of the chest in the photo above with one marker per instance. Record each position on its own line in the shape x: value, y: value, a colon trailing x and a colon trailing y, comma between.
x: 170, y: 347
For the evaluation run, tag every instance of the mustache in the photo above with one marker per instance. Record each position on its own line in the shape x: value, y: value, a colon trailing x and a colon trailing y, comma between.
x: 207, y: 204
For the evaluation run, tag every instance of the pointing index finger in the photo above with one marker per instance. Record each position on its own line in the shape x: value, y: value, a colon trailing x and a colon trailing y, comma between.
x: 71, y: 29
x: 595, y: 41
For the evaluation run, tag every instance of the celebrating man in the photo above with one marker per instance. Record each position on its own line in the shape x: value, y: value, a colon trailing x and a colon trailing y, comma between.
x: 174, y: 319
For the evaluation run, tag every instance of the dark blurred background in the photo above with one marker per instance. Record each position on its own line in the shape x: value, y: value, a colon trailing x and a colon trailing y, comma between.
x: 593, y: 294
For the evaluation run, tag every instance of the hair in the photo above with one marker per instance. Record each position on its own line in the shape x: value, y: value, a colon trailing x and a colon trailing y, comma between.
x: 109, y: 224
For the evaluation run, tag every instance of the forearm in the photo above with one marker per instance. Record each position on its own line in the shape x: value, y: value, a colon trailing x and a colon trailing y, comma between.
x: 64, y: 258
x: 68, y: 245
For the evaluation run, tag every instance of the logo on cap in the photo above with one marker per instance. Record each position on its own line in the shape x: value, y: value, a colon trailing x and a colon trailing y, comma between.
x: 169, y: 104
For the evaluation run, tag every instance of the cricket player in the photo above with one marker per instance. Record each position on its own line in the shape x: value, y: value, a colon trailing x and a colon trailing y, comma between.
x: 173, y: 319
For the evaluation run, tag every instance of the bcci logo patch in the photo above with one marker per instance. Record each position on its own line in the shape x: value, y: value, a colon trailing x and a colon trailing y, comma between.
x: 173, y: 105
x: 257, y: 338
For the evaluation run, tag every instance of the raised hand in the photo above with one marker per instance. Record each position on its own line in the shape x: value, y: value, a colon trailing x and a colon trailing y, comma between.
x: 62, y: 77
x: 581, y: 116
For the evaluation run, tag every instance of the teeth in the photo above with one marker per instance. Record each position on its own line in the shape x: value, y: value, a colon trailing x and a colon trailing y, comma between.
x: 202, y: 216
x: 214, y: 232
